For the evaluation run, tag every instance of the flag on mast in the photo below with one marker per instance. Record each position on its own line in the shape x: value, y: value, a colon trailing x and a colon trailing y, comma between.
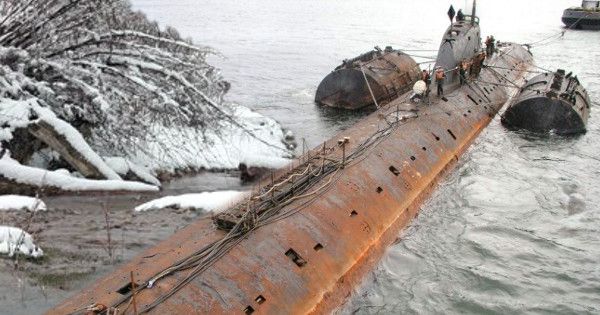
x: 451, y: 13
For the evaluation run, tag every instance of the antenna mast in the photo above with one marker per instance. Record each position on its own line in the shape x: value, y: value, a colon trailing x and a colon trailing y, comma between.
x: 473, y: 15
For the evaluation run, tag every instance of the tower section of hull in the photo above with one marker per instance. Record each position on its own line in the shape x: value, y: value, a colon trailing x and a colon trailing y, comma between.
x: 461, y: 41
x: 374, y: 76
x: 550, y: 102
x: 332, y: 216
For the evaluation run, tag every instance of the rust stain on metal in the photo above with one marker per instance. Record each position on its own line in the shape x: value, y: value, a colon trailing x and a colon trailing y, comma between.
x: 309, y: 261
x: 389, y: 73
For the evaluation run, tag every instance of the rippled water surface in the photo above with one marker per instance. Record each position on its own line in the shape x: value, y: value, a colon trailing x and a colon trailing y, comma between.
x: 515, y: 228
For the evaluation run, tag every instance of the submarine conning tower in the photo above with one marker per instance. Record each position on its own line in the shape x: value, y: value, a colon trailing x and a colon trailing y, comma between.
x: 554, y: 102
x: 378, y: 74
x: 461, y: 41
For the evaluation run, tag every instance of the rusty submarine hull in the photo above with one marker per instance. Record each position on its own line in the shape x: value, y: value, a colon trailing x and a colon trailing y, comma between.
x: 308, y: 234
x: 550, y: 102
x: 374, y: 77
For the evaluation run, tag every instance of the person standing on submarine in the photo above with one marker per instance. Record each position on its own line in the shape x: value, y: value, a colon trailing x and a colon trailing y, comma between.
x: 462, y: 70
x: 490, y: 46
x: 427, y: 78
x: 460, y: 16
x: 440, y: 75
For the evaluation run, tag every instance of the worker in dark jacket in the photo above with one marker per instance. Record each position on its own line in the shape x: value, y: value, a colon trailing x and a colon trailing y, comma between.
x: 440, y: 75
x: 460, y: 16
x: 490, y: 42
x: 427, y: 78
x: 476, y: 65
x: 462, y: 71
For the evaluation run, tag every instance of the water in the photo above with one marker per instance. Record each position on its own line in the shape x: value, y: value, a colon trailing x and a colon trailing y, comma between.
x: 514, y: 228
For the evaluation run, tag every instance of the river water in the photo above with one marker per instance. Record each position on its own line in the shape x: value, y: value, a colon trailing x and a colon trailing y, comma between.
x: 515, y: 228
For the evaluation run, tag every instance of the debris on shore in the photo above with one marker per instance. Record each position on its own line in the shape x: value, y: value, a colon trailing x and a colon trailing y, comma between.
x: 14, y: 240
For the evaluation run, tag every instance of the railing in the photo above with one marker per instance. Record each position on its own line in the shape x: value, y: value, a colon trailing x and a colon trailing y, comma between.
x: 469, y: 18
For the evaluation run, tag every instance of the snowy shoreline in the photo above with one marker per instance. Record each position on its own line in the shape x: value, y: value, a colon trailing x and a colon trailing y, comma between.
x: 256, y: 140
x: 113, y: 103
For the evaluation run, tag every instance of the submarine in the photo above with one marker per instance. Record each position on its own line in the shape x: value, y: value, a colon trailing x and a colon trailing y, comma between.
x: 550, y: 102
x: 585, y: 17
x: 374, y: 77
x: 307, y: 235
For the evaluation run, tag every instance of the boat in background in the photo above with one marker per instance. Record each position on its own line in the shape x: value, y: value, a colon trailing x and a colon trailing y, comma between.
x: 585, y: 17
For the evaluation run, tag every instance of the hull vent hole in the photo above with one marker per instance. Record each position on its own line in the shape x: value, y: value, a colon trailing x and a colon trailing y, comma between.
x: 451, y: 134
x: 295, y: 257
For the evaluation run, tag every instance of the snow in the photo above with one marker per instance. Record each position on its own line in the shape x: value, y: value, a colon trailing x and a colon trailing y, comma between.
x: 43, y: 158
x: 118, y: 164
x: 16, y: 114
x: 76, y: 140
x: 16, y: 202
x: 13, y: 239
x: 11, y: 169
x: 191, y: 149
x: 155, y: 102
x: 207, y: 201
x: 123, y: 166
x: 266, y: 161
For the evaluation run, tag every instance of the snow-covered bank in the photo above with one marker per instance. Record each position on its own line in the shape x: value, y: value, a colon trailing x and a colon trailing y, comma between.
x: 117, y: 86
x: 16, y: 202
x: 265, y: 161
x: 126, y: 169
x: 13, y: 240
x: 226, y: 148
x: 207, y: 201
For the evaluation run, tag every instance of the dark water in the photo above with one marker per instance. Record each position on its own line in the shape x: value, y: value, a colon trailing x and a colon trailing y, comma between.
x: 514, y: 229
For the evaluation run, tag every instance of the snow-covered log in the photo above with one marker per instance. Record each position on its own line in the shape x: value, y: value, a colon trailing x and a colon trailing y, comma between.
x: 14, y: 240
x: 22, y: 179
x: 71, y: 146
x: 131, y: 171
